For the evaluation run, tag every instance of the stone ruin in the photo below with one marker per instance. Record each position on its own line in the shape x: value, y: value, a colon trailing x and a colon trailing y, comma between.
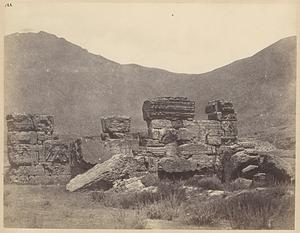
x: 35, y: 153
x: 175, y: 146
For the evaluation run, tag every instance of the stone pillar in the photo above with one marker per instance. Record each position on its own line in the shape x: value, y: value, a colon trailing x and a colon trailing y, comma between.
x: 223, y: 111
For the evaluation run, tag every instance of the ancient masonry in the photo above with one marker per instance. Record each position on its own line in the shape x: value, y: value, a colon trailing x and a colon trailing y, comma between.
x: 174, y: 146
x: 179, y: 144
x: 35, y: 154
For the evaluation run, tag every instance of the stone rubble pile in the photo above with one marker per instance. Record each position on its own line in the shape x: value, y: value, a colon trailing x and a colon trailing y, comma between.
x: 34, y: 152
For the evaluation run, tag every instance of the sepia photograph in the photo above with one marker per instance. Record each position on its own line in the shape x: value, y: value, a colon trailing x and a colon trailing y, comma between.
x: 171, y: 115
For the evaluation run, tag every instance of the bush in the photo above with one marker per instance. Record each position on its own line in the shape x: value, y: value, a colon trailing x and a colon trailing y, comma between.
x: 255, y: 209
x: 122, y: 220
x: 163, y: 209
x: 203, y: 212
x: 172, y: 191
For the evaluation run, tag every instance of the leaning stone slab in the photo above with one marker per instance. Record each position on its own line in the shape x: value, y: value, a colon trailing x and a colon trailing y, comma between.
x: 118, y: 167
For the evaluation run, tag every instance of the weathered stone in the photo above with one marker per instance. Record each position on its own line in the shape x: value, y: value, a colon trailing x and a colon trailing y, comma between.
x: 189, y: 132
x: 39, y: 174
x: 216, y: 116
x: 20, y: 122
x: 151, y: 163
x: 57, y: 151
x: 241, y: 160
x: 25, y: 137
x: 229, y: 117
x: 247, y: 144
x: 278, y: 167
x: 129, y: 185
x: 249, y: 171
x: 214, y: 140
x: 229, y: 128
x: 120, y: 124
x: 176, y: 124
x: 242, y: 183
x: 174, y: 164
x: 119, y: 146
x: 171, y: 149
x: 157, y: 134
x: 228, y: 140
x: 43, y: 123
x: 91, y: 150
x: 23, y: 154
x: 42, y: 136
x: 208, y: 127
x: 118, y: 167
x: 152, y: 143
x: 156, y: 151
x: 187, y: 150
x: 159, y: 124
x: 219, y: 106
x: 202, y: 162
x: 168, y: 108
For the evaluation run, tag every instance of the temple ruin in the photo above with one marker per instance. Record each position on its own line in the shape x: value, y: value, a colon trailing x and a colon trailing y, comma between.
x: 175, y: 146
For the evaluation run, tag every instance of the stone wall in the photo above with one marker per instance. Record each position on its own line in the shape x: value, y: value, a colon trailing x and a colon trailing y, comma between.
x: 35, y: 154
x: 180, y: 144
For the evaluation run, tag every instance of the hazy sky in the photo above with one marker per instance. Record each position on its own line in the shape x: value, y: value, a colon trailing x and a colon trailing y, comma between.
x: 189, y: 38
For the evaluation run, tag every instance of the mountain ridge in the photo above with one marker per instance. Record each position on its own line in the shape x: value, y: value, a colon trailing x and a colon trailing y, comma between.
x: 44, y: 73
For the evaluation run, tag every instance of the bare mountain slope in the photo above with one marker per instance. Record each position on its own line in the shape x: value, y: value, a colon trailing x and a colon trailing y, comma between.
x: 47, y: 74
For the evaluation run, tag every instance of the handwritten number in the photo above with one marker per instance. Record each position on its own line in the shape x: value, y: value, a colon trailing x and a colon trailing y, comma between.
x: 8, y: 4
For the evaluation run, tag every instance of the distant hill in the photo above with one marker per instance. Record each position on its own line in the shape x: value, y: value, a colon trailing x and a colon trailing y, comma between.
x: 47, y: 74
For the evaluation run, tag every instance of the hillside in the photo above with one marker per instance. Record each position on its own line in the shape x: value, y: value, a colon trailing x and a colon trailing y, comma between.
x: 47, y: 74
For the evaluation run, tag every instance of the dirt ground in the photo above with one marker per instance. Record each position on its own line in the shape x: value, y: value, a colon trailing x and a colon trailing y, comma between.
x: 29, y: 206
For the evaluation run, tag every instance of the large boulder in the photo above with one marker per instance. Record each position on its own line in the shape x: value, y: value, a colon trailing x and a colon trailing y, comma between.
x: 103, y: 175
x: 278, y: 167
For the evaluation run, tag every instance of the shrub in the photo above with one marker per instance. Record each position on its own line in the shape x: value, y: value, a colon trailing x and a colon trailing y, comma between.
x: 122, y: 220
x: 255, y: 209
x: 172, y: 191
x: 203, y: 212
x: 163, y: 209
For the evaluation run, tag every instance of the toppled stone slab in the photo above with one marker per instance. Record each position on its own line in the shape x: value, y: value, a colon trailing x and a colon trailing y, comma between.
x: 118, y: 167
x: 168, y: 108
x: 116, y: 124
